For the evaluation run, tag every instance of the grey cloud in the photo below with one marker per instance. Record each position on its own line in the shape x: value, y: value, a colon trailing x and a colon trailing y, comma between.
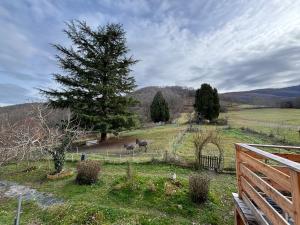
x: 279, y: 66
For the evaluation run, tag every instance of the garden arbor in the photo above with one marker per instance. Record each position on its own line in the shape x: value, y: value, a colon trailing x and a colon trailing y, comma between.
x: 202, y: 140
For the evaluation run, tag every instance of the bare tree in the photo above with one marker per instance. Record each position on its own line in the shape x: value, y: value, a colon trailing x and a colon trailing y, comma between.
x: 36, y: 135
x: 56, y: 140
x: 18, y: 140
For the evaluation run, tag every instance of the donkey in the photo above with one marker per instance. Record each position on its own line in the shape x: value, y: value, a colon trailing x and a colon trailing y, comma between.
x: 129, y: 147
x: 142, y: 144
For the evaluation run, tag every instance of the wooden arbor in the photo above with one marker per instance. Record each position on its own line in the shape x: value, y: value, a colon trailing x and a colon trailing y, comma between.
x: 268, y: 185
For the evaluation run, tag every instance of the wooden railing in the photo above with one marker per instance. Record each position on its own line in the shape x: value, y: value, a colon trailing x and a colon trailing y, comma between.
x: 269, y: 183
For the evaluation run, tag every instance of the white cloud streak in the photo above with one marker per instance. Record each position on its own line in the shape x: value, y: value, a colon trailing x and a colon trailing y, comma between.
x: 234, y: 45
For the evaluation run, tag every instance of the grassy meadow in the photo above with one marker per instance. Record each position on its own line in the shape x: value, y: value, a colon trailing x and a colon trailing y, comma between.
x: 283, y: 124
x: 110, y: 201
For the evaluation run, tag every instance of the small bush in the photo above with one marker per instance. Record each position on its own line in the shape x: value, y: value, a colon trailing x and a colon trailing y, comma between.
x: 131, y: 177
x: 170, y: 189
x: 199, y: 187
x: 87, y: 172
x: 151, y: 187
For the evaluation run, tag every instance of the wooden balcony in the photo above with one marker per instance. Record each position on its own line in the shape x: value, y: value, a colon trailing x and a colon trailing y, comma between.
x: 268, y: 185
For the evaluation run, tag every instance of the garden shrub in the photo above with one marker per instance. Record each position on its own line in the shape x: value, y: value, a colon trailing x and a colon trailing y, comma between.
x: 151, y: 187
x: 87, y: 172
x: 199, y: 187
x: 131, y: 177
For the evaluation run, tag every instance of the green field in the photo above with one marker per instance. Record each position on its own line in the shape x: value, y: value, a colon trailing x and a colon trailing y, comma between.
x: 283, y: 124
x: 107, y: 203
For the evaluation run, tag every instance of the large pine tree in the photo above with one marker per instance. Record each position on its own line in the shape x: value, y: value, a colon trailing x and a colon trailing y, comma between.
x: 96, y: 79
x: 207, y: 103
x: 159, y: 109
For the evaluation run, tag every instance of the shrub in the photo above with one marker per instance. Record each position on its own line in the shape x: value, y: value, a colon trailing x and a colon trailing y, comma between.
x: 131, y: 177
x: 199, y: 187
x: 151, y: 187
x: 87, y: 172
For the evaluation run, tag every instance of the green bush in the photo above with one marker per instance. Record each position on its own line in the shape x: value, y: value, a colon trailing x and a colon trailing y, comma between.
x: 199, y: 187
x: 87, y: 172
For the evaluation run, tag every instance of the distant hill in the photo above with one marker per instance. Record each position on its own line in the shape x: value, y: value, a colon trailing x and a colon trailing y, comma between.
x: 268, y: 97
x: 181, y: 99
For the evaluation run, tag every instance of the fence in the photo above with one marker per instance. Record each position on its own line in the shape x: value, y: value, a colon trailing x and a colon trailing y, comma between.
x: 209, y: 162
x: 269, y: 184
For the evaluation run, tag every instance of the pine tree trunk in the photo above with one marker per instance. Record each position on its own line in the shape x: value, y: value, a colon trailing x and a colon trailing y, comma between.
x: 103, y: 137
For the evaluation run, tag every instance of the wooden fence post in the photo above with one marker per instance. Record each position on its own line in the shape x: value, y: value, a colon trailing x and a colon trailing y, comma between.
x: 238, y: 169
x: 295, y: 182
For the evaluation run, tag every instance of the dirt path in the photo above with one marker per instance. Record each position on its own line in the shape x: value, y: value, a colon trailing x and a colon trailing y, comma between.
x: 13, y: 190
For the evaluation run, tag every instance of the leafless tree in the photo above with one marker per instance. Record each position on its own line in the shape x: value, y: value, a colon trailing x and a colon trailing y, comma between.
x: 35, y: 135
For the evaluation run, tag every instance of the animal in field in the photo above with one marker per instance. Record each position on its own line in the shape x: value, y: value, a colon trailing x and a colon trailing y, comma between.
x: 142, y: 144
x: 129, y: 147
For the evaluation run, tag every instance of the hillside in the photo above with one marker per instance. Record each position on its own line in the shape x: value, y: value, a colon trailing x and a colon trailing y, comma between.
x: 181, y: 99
x: 269, y: 96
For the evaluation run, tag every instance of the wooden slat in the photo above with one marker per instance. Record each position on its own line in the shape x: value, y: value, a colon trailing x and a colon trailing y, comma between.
x: 267, y: 209
x: 274, y: 184
x: 293, y: 157
x: 275, y: 195
x: 293, y: 165
x: 258, y: 215
x: 295, y: 180
x: 243, y: 211
x: 280, y: 178
x: 283, y: 169
x: 238, y: 170
x: 276, y: 146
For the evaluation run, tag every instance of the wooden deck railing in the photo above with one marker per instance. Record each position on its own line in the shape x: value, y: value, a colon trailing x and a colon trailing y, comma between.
x: 269, y: 183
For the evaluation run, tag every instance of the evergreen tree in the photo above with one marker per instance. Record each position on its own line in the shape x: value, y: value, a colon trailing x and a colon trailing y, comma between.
x: 207, y: 103
x: 96, y: 80
x: 159, y: 109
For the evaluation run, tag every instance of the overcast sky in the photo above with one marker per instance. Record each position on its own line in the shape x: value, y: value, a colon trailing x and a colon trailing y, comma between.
x: 232, y: 44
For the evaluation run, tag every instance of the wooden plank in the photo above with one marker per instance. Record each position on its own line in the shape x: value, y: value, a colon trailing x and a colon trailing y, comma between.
x: 276, y: 146
x: 243, y: 213
x: 280, y: 178
x: 293, y: 165
x: 275, y: 195
x: 283, y: 169
x: 238, y: 170
x: 258, y: 215
x: 295, y: 180
x: 293, y: 157
x: 265, y: 207
x: 274, y: 184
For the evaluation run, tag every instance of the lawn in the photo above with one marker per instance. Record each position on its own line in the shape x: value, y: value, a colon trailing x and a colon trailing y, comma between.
x: 107, y: 203
x: 111, y: 202
x: 283, y: 124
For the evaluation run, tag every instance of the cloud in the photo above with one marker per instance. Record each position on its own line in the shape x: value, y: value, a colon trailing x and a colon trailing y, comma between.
x: 234, y: 45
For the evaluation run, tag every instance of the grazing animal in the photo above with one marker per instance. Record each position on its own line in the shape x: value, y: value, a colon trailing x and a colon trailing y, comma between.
x: 142, y: 144
x: 129, y: 147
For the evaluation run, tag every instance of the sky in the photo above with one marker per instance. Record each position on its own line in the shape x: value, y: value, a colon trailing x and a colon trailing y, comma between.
x: 232, y: 44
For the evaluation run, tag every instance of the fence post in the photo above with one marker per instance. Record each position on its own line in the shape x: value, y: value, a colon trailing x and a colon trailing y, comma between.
x: 238, y: 170
x: 295, y: 182
x: 17, y: 219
